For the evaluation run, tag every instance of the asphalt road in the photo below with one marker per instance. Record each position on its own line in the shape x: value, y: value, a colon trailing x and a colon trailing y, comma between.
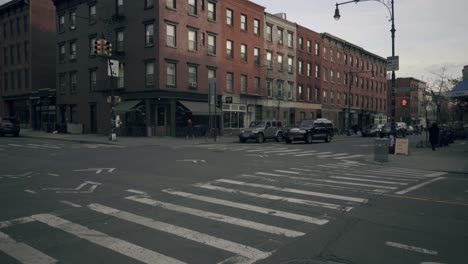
x: 63, y: 202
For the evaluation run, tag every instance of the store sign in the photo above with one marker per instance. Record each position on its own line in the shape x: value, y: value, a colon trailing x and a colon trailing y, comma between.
x: 393, y: 63
x: 228, y: 100
x: 401, y: 146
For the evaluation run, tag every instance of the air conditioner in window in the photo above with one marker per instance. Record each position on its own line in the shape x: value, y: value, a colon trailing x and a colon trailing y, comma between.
x: 280, y: 41
x: 193, y: 85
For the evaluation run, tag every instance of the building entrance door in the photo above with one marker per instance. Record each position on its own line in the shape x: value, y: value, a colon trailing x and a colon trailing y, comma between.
x: 161, y: 120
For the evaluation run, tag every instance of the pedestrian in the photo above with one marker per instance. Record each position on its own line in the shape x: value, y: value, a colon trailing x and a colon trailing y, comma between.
x: 434, y: 135
x: 189, y: 129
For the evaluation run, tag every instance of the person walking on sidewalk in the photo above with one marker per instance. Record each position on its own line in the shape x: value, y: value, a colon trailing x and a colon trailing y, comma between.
x: 434, y: 135
x: 189, y: 129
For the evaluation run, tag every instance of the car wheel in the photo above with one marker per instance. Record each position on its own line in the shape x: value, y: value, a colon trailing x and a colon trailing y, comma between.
x: 308, y: 138
x: 260, y: 138
x: 328, y: 138
x: 242, y: 140
x: 279, y: 137
x: 16, y: 134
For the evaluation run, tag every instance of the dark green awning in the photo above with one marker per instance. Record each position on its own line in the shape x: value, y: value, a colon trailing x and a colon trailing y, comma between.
x: 126, y: 106
x: 199, y: 108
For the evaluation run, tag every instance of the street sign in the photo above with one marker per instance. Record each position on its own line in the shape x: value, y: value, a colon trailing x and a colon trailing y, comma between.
x: 393, y: 63
x: 114, y: 66
x: 401, y: 146
x: 229, y: 100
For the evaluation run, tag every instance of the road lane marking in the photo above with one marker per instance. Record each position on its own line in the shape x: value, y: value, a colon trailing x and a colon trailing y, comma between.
x: 253, y: 208
x: 402, y: 178
x: 348, y: 157
x: 121, y: 246
x: 380, y: 177
x: 219, y: 243
x: 426, y: 199
x: 276, y: 197
x: 406, y: 174
x: 282, y: 151
x: 435, y: 174
x: 290, y: 190
x: 357, y: 184
x: 367, y: 180
x: 419, y: 185
x: 297, y: 153
x: 265, y: 149
x: 332, y: 155
x: 30, y: 191
x: 22, y: 252
x: 137, y: 192
x: 53, y: 174
x: 329, y: 166
x: 286, y: 171
x: 71, y: 204
x: 411, y: 248
x: 312, y: 154
x: 218, y: 217
x: 17, y: 221
x: 299, y: 169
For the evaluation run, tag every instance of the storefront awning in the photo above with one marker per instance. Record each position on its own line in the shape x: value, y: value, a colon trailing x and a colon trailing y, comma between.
x: 199, y: 108
x: 460, y: 90
x: 126, y: 106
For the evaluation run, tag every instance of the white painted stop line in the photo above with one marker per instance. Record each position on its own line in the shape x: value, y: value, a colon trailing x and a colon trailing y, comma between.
x: 411, y: 248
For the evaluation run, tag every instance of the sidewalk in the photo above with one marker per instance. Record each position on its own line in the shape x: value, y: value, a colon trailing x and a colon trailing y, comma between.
x: 452, y: 158
x: 124, y: 141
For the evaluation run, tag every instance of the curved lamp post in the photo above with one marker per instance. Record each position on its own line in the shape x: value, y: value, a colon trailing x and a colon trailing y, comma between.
x: 390, y: 7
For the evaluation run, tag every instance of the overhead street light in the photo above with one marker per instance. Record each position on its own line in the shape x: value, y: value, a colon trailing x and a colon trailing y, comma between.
x: 390, y: 7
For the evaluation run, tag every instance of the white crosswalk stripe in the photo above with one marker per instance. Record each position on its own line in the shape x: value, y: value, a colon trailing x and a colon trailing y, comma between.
x: 296, y: 153
x: 349, y: 157
x: 332, y: 155
x: 312, y: 154
x: 253, y: 208
x: 367, y: 180
x: 22, y: 252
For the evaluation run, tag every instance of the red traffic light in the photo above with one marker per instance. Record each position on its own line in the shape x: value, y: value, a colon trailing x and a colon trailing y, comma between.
x: 98, y: 47
x: 404, y: 102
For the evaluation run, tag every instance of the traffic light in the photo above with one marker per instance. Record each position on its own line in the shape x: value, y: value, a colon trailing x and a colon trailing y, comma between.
x: 404, y: 102
x: 98, y: 48
x: 107, y: 50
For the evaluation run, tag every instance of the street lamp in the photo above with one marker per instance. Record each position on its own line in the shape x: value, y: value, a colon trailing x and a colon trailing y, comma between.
x: 350, y: 80
x: 390, y: 7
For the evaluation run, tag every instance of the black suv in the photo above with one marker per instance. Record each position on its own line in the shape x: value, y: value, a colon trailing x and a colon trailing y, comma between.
x: 311, y: 129
x: 9, y: 125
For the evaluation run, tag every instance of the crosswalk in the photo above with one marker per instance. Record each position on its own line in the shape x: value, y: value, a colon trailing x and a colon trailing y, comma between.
x: 44, y: 146
x: 278, y: 150
x: 241, y: 219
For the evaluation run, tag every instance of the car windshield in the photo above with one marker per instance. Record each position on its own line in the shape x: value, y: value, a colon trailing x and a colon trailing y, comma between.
x: 257, y: 124
x: 307, y: 123
x: 9, y: 120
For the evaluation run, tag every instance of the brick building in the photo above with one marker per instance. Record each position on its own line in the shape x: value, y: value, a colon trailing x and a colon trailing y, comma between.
x: 349, y: 72
x: 410, y: 90
x: 309, y: 83
x: 27, y: 64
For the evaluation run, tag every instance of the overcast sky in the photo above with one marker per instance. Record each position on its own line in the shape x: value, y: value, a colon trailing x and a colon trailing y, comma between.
x: 430, y: 34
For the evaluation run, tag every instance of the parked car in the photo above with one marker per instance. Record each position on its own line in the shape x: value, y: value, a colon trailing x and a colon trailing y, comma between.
x: 373, y: 130
x: 309, y: 130
x: 262, y: 130
x: 9, y: 125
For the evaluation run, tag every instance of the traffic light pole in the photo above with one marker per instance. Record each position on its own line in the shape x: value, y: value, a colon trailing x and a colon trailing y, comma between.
x: 113, y: 135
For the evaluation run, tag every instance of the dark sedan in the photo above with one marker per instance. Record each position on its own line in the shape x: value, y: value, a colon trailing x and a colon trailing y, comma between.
x: 9, y: 125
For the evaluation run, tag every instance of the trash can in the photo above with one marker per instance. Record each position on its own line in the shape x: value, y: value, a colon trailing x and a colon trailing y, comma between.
x: 381, y: 149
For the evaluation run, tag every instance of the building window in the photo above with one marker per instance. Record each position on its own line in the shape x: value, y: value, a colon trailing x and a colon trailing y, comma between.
x: 229, y: 17
x: 73, y: 20
x: 331, y: 55
x: 338, y: 57
x: 211, y: 44
x: 171, y: 4
x: 61, y: 25
x: 243, y: 83
x: 317, y: 95
x: 257, y: 56
x: 119, y: 7
x: 12, y: 33
x: 244, y: 52
x: 192, y: 7
x: 171, y: 35
x: 26, y: 51
x: 5, y: 81
x: 18, y: 76
x: 257, y: 85
x: 121, y: 78
x: 301, y: 43
x: 26, y: 78
x: 62, y: 53
x: 309, y: 46
x: 62, y: 83
x: 149, y: 74
x: 211, y: 74
x: 317, y: 49
x: 5, y: 56
x: 290, y: 65
x: 192, y: 76
x: 269, y: 61
x: 243, y: 22
x: 301, y: 67
x: 149, y: 3
x: 229, y: 81
x: 269, y: 88
x: 309, y: 94
x: 325, y: 52
x: 300, y: 92
x: 149, y: 35
x: 280, y: 62
x: 332, y: 97
x: 325, y: 74
x: 269, y: 33
x: 345, y: 59
x: 120, y: 40
x: 92, y: 14
x: 332, y: 75
x: 12, y: 54
x: 12, y: 80
x: 317, y: 71
x: 18, y: 52
x: 324, y: 96
x: 5, y: 31
x: 290, y: 90
x: 309, y: 69
x: 211, y: 11
x: 280, y: 36
x: 256, y: 27
x: 92, y: 79
x: 73, y: 50
x: 338, y: 77
x: 192, y: 39
x: 26, y: 23
x: 230, y: 49
x: 170, y: 73
x: 290, y: 39
x: 73, y: 82
x: 279, y: 88
x: 91, y: 48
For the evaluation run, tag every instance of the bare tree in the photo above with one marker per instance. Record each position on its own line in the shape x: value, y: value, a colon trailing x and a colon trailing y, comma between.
x: 439, y: 88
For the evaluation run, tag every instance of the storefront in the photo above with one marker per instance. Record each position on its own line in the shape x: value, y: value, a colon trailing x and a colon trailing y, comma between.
x: 234, y: 116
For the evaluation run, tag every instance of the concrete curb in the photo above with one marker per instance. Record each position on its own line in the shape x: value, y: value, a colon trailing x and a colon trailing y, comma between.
x: 81, y: 141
